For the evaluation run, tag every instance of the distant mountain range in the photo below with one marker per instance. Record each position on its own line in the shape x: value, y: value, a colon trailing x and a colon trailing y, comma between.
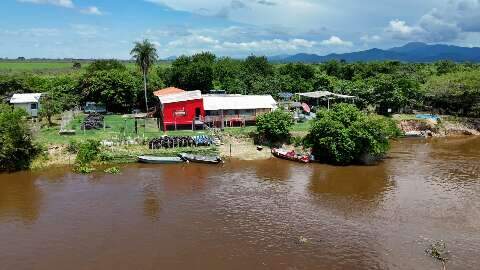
x: 411, y: 52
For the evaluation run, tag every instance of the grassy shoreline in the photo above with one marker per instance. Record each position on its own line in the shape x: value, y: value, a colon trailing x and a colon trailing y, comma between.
x: 237, y: 142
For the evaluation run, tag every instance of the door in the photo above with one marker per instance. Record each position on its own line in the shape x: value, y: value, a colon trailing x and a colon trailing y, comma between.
x: 34, y: 109
x: 198, y: 113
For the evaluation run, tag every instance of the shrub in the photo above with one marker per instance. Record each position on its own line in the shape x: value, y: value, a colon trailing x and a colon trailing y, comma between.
x: 275, y: 126
x: 73, y: 147
x: 88, y: 151
x: 16, y: 147
x: 345, y: 135
x: 83, y: 169
x: 105, y: 156
x: 112, y: 170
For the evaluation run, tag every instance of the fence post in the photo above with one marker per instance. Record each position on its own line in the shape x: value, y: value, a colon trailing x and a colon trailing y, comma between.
x: 136, y: 126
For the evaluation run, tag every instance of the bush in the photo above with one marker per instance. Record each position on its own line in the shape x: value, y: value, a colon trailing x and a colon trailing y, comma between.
x: 16, y: 147
x: 105, y: 156
x: 275, y: 126
x: 87, y: 152
x: 345, y: 135
x: 73, y: 147
x: 83, y: 169
x: 112, y: 170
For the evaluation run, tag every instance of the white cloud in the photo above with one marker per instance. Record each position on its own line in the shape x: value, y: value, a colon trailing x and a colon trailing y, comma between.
x: 277, y: 45
x: 398, y: 29
x: 93, y: 10
x: 257, y: 12
x: 371, y: 38
x: 336, y: 41
x: 61, y: 3
x: 451, y: 21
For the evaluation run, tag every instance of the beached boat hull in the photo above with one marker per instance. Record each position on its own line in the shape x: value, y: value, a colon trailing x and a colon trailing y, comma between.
x: 283, y: 154
x: 201, y: 159
x: 159, y: 160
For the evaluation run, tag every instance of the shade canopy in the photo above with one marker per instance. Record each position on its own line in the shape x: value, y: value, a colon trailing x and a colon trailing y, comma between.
x: 25, y: 98
x: 179, y: 97
x: 238, y: 102
x: 168, y: 91
x: 324, y: 94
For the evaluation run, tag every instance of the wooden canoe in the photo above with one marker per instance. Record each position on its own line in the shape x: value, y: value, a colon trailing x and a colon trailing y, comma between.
x: 159, y: 160
x: 201, y: 159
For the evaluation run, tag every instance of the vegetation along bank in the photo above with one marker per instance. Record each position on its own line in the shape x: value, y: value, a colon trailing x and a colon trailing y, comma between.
x: 386, y: 91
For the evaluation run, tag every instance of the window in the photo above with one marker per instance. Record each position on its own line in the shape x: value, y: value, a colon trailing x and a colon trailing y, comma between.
x: 33, y: 106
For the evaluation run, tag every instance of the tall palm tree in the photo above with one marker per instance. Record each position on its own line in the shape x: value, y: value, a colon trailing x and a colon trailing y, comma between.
x: 145, y: 55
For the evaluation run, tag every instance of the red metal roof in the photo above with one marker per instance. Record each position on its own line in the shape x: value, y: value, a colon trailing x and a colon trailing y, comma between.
x: 168, y: 91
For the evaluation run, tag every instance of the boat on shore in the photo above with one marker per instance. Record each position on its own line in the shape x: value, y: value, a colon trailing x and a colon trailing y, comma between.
x: 160, y: 160
x: 201, y: 159
x: 290, y: 155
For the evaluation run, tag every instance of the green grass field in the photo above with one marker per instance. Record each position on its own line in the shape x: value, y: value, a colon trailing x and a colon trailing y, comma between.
x: 119, y: 127
x: 39, y: 66
x: 50, y: 66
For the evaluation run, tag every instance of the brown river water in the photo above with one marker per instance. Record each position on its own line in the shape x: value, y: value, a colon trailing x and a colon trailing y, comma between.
x: 270, y: 214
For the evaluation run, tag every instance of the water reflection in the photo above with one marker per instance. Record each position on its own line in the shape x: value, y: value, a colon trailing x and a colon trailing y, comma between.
x: 20, y: 196
x: 350, y: 188
x: 273, y: 169
x: 151, y: 205
x: 185, y: 178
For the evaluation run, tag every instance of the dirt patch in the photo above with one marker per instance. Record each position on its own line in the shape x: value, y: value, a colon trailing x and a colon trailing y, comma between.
x: 459, y: 129
x: 55, y: 155
x: 448, y: 127
x: 243, y: 148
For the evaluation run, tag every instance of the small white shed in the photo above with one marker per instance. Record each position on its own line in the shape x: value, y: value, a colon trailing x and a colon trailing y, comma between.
x: 29, y: 102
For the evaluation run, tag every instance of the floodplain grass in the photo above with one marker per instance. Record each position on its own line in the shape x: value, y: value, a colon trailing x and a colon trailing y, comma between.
x: 55, y: 66
x: 119, y: 127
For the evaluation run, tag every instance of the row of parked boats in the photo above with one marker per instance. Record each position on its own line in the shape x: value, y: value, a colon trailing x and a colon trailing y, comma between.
x: 180, y: 159
x: 276, y: 152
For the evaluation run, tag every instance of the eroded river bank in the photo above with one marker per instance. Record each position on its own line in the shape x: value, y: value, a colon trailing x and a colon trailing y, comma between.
x: 265, y: 214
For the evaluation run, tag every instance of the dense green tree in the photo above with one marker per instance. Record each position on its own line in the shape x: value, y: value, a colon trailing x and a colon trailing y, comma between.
x: 228, y: 74
x: 445, y: 66
x: 50, y: 106
x: 392, y: 92
x: 345, y: 135
x: 105, y: 65
x: 193, y: 72
x: 118, y: 90
x: 457, y: 93
x: 275, y: 126
x: 257, y: 66
x: 16, y: 147
x: 298, y: 71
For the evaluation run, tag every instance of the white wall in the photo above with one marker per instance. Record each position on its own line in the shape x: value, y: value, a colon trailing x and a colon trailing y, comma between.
x: 27, y: 108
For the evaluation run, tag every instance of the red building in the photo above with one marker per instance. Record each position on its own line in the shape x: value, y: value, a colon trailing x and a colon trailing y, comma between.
x: 181, y: 109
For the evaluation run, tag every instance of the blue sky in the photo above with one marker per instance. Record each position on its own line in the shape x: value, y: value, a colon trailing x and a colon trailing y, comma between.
x: 108, y: 28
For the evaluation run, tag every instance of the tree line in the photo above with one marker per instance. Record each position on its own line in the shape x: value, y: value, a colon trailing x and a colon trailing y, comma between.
x: 390, y: 86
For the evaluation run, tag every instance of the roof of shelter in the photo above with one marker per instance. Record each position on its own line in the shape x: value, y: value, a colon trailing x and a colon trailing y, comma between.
x: 25, y: 98
x: 238, y: 102
x: 322, y: 94
x: 181, y: 96
x: 168, y: 91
